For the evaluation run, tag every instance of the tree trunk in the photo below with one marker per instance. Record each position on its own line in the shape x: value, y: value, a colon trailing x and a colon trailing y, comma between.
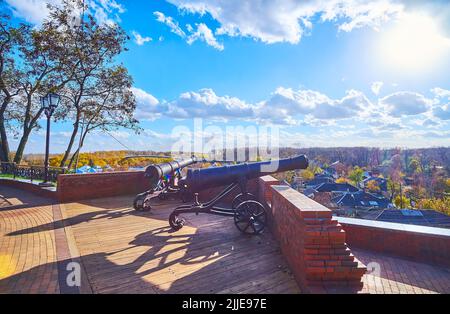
x: 21, y: 148
x: 2, y: 156
x: 4, y: 148
x: 73, y: 158
x: 70, y: 145
x: 75, y: 155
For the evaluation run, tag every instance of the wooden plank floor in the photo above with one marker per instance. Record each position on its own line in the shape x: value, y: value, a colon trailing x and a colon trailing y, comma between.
x: 124, y: 251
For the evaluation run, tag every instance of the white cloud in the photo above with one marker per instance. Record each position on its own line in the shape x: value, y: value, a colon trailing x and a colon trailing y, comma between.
x: 429, y: 122
x: 376, y: 87
x: 169, y: 21
x: 441, y: 93
x: 139, y: 39
x: 35, y: 11
x: 405, y: 104
x: 351, y: 105
x: 287, y: 20
x: 403, y: 118
x: 285, y: 106
x: 32, y: 11
x: 206, y: 104
x: 205, y: 34
x: 202, y: 33
x: 442, y: 112
x: 148, y: 107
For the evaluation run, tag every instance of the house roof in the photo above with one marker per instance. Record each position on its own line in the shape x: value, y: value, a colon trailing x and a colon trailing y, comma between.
x: 323, y: 175
x: 319, y: 180
x: 361, y: 199
x: 309, y: 192
x: 335, y: 187
x: 424, y: 217
x: 378, y: 179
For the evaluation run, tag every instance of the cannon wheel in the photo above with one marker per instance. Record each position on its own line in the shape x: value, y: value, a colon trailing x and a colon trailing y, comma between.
x: 141, y: 203
x: 175, y: 222
x: 241, y: 198
x: 250, y: 217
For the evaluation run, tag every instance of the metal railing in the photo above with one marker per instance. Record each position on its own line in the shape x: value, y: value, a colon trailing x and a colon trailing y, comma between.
x: 30, y: 172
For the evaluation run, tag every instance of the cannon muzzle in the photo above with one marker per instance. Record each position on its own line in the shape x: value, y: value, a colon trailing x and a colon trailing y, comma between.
x: 156, y: 172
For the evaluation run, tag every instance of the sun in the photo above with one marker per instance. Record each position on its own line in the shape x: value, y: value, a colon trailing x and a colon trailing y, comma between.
x: 414, y: 43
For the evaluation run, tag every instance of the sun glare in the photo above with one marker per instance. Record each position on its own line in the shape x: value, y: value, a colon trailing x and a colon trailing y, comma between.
x: 414, y: 43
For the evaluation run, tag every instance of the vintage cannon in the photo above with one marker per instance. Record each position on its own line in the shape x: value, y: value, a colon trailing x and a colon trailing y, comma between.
x: 249, y: 214
x: 160, y: 186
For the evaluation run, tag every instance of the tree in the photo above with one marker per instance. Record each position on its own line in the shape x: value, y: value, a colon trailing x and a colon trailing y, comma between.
x: 439, y: 204
x: 73, y: 55
x: 111, y: 108
x: 402, y: 201
x: 356, y: 175
x: 95, y: 46
x: 307, y: 174
x: 393, y: 188
x: 41, y: 70
x: 415, y: 166
x: 373, y: 186
x: 341, y: 180
x: 9, y: 78
x: 43, y: 66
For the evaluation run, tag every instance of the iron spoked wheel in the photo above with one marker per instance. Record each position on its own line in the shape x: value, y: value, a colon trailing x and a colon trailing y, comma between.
x: 250, y: 217
x: 175, y: 222
x: 241, y: 198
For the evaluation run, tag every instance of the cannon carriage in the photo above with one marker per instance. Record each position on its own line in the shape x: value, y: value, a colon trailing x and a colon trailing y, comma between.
x: 249, y: 215
x: 163, y: 183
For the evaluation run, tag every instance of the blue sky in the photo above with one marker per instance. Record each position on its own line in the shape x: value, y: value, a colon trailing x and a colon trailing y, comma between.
x: 326, y: 73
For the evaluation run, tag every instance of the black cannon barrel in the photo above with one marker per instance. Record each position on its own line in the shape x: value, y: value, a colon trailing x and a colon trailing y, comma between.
x: 197, y: 179
x: 156, y: 172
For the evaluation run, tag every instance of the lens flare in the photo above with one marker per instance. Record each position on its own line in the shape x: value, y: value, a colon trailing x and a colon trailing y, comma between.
x: 414, y: 43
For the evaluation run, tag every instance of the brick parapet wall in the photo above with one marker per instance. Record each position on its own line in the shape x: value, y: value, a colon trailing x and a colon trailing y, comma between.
x: 312, y: 242
x: 75, y: 187
x: 265, y: 197
x: 418, y: 243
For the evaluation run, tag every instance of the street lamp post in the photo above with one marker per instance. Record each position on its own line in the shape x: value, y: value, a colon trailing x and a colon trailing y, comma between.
x: 49, y: 103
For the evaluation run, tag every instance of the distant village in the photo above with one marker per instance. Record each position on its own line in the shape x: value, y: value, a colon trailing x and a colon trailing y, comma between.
x: 369, y: 198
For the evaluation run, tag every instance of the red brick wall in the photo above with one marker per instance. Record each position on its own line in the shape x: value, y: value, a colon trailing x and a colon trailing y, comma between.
x: 421, y: 244
x: 74, y: 187
x: 311, y: 241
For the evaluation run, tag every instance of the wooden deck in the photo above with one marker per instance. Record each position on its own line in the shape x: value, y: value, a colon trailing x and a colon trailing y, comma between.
x: 124, y: 251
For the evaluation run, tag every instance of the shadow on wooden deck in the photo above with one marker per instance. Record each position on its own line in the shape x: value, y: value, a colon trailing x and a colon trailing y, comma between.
x: 124, y: 251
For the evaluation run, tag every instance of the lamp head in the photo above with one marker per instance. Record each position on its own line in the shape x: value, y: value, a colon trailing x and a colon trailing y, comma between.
x: 44, y: 101
x: 53, y: 100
